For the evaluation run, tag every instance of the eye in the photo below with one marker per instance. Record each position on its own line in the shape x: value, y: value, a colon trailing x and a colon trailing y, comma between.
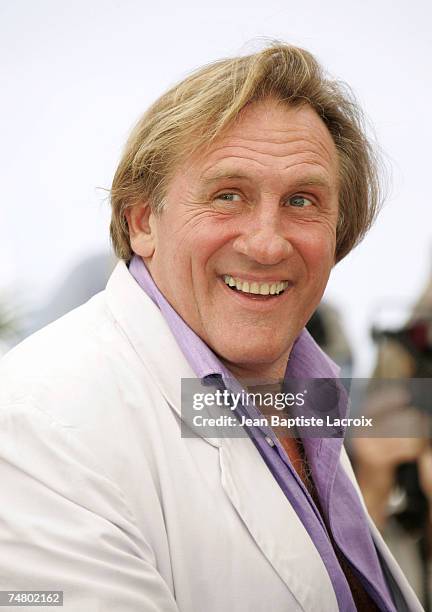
x: 228, y: 197
x: 300, y: 201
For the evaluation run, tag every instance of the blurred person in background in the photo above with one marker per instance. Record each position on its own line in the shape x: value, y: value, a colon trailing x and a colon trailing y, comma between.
x: 395, y: 473
x: 327, y: 329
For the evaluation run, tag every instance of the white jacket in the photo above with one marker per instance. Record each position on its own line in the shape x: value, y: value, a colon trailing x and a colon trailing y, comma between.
x: 101, y: 497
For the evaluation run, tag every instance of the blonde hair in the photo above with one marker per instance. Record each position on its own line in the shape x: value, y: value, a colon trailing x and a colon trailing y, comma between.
x: 198, y: 109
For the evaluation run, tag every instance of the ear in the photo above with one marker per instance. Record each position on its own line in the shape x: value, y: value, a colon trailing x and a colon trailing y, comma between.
x: 142, y: 231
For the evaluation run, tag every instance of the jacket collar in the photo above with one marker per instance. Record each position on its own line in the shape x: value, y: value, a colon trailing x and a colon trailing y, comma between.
x: 149, y: 333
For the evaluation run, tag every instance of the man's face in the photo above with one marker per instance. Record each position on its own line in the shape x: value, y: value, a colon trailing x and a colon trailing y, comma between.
x: 244, y: 246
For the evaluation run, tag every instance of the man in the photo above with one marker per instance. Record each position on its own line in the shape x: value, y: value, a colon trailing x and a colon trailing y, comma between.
x: 237, y: 192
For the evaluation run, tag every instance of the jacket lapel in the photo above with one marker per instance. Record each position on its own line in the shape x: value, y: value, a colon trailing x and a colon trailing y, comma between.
x: 274, y: 525
x: 150, y: 335
x: 398, y: 584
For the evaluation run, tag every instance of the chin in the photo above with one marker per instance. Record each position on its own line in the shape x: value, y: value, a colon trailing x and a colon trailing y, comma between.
x: 253, y: 358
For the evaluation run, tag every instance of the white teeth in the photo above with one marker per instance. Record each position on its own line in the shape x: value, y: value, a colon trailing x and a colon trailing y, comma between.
x: 254, y: 287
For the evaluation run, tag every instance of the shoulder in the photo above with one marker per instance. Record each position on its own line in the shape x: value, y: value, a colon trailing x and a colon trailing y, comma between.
x: 83, y: 374
x: 78, y: 393
x: 63, y: 359
x: 79, y: 490
x: 79, y: 360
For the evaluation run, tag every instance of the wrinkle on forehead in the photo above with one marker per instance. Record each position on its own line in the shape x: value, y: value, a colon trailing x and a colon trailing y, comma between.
x: 308, y: 165
x: 273, y: 141
x: 270, y: 137
x: 290, y: 119
x: 221, y: 168
x: 299, y: 147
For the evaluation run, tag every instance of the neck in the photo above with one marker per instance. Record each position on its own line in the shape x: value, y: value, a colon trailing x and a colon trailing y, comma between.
x: 258, y: 373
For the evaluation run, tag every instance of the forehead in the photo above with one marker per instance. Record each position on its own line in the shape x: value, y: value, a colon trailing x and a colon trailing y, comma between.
x: 268, y: 138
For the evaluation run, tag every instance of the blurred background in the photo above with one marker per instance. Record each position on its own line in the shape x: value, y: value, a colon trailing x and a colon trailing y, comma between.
x: 76, y: 76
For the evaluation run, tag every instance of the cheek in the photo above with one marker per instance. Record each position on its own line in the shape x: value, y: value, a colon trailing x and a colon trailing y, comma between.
x: 320, y: 240
x: 191, y: 252
x: 208, y: 243
x: 317, y: 250
x: 323, y: 250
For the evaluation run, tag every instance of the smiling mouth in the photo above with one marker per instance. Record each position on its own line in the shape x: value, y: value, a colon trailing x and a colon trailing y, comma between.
x: 255, y: 289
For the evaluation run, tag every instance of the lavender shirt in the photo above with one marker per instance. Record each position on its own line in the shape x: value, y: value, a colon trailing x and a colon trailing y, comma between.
x: 338, y: 498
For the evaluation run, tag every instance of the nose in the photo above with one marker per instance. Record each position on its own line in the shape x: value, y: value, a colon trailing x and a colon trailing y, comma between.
x: 262, y: 241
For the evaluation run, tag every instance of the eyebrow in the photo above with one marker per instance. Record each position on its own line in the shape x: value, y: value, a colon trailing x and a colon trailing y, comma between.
x: 306, y: 181
x: 222, y: 174
x: 312, y: 181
